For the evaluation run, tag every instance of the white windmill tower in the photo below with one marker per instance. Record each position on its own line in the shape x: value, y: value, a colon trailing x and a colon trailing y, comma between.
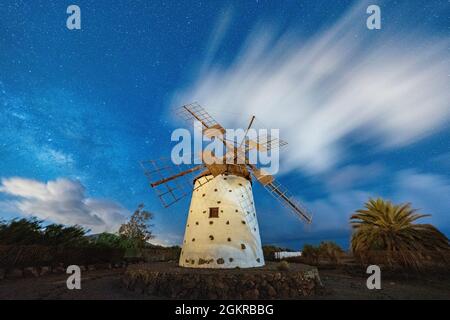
x: 222, y: 227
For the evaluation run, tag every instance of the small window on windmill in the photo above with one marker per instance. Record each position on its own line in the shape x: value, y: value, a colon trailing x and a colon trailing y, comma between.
x: 213, y: 212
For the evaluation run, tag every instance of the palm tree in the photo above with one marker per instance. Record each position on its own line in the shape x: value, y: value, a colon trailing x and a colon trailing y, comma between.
x: 388, y: 231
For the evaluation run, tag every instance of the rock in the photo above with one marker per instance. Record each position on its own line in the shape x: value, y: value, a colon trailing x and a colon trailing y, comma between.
x: 212, y: 295
x: 271, y: 292
x: 59, y: 269
x: 251, y: 294
x: 293, y: 293
x: 31, y: 272
x: 176, y: 283
x: 284, y: 292
x: 101, y: 266
x: 249, y: 284
x: 190, y: 283
x: 45, y: 270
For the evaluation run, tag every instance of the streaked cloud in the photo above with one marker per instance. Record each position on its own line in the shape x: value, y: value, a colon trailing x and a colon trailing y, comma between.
x: 428, y: 192
x: 384, y: 90
x: 62, y: 201
x: 352, y: 176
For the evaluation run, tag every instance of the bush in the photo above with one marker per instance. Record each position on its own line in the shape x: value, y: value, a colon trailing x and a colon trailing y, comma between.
x: 38, y: 256
x: 109, y: 240
x: 283, y: 266
x: 21, y: 232
x: 26, y: 232
x: 26, y: 243
x: 331, y: 252
x: 326, y: 252
x: 59, y: 235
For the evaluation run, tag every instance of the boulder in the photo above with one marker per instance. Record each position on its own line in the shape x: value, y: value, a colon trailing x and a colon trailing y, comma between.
x: 252, y: 294
x: 31, y: 272
x: 45, y: 270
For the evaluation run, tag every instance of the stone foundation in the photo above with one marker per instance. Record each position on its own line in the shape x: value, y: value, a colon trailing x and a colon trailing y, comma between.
x: 167, y: 280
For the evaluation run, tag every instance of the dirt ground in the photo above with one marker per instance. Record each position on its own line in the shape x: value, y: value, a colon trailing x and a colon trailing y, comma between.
x: 106, y: 285
x: 342, y: 285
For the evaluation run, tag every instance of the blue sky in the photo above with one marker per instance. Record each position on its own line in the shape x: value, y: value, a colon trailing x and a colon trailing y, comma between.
x: 365, y: 112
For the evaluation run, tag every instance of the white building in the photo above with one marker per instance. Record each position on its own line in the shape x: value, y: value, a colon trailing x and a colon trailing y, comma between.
x: 287, y: 254
x: 222, y: 228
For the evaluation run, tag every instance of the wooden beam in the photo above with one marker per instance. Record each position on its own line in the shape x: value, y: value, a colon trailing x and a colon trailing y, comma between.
x: 157, y: 183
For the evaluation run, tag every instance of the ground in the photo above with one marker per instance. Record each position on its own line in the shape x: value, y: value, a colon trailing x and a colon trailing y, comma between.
x: 107, y: 284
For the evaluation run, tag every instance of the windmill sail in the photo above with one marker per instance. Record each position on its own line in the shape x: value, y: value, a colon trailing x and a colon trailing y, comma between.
x: 281, y: 193
x: 195, y: 112
x: 171, y: 182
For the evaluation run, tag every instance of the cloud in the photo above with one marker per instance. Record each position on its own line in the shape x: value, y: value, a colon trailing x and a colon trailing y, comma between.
x: 385, y: 90
x: 167, y: 239
x: 217, y: 35
x: 428, y: 192
x: 352, y: 176
x: 62, y: 201
x: 442, y: 160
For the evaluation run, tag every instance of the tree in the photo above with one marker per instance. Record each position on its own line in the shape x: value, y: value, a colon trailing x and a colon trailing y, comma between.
x: 29, y: 231
x: 388, y: 230
x: 21, y: 232
x: 112, y: 241
x: 137, y: 229
x: 60, y: 235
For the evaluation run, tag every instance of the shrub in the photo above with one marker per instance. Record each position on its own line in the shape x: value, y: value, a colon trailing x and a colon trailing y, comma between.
x: 283, y: 266
x: 109, y: 240
x: 59, y: 235
x: 330, y: 251
x: 327, y: 252
x: 311, y: 254
x: 21, y: 232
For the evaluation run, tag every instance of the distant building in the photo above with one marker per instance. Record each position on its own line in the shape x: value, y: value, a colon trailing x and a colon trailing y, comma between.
x: 287, y: 254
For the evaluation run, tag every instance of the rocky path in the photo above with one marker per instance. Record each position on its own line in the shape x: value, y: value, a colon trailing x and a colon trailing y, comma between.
x: 95, y: 284
x: 341, y: 285
x: 107, y: 285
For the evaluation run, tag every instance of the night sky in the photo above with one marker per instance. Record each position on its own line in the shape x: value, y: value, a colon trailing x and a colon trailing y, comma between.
x: 365, y: 112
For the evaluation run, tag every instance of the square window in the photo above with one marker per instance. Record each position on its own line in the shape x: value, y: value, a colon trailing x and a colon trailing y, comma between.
x: 213, y: 212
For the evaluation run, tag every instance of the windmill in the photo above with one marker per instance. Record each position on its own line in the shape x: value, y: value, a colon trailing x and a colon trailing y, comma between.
x: 221, y: 229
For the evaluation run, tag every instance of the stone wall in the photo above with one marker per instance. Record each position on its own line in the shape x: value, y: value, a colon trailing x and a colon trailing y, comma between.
x: 171, y: 281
